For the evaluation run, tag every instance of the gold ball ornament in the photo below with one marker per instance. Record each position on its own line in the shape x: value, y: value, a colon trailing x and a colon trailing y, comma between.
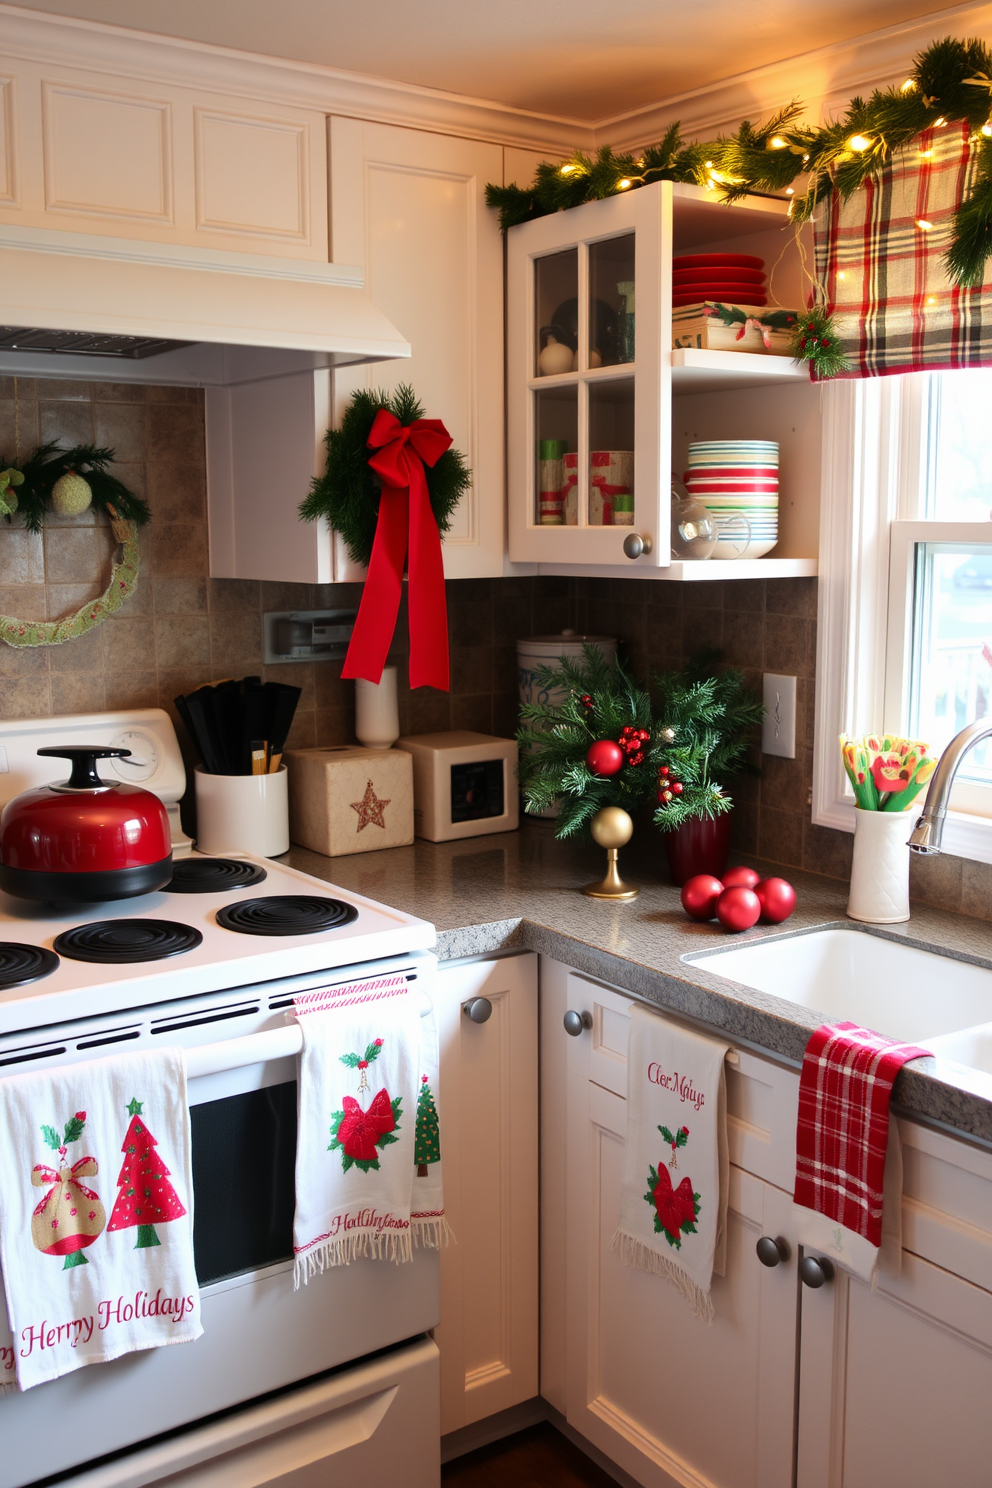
x: 668, y: 735
x: 611, y: 827
x: 71, y: 494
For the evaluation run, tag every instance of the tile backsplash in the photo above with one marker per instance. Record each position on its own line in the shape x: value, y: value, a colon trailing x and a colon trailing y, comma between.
x: 182, y: 628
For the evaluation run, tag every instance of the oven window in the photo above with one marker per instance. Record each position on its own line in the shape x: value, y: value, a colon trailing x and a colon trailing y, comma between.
x: 244, y: 1158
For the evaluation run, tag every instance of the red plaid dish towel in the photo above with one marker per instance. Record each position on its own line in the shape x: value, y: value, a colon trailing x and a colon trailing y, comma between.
x: 847, y: 1158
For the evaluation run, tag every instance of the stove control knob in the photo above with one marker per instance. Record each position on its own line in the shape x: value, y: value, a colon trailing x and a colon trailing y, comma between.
x: 480, y: 1009
x: 143, y: 760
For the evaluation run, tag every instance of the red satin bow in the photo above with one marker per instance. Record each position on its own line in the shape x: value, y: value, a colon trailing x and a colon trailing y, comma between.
x: 405, y: 516
x: 673, y: 1206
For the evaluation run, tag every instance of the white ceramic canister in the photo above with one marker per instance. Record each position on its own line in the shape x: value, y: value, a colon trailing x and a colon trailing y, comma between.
x: 242, y: 813
x: 377, y: 714
x: 880, y: 870
x: 546, y: 650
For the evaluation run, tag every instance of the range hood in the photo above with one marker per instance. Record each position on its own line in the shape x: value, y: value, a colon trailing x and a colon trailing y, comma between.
x: 69, y: 300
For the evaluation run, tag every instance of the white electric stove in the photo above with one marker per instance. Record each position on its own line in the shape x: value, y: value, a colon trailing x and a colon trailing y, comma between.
x: 281, y: 1381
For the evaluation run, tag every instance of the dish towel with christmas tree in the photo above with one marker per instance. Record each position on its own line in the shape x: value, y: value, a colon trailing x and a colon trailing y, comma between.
x: 96, y: 1213
x: 673, y: 1203
x: 848, y: 1194
x: 367, y: 1126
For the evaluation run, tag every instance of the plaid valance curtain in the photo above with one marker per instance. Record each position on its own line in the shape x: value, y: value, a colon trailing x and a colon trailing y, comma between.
x: 880, y: 257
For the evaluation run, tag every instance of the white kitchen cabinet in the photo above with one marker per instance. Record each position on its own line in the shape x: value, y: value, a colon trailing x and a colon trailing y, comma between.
x: 627, y: 391
x: 88, y: 151
x: 410, y: 207
x: 889, y: 1386
x: 488, y: 1107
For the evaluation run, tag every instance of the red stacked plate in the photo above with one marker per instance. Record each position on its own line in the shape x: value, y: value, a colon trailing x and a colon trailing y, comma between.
x: 733, y: 278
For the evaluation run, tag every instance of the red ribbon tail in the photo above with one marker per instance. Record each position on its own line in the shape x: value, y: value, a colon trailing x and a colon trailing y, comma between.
x: 428, y: 610
x: 376, y: 619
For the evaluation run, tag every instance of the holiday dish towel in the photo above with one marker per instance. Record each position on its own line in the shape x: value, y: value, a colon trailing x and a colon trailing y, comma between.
x: 96, y: 1213
x: 368, y: 1126
x: 673, y: 1203
x: 848, y: 1194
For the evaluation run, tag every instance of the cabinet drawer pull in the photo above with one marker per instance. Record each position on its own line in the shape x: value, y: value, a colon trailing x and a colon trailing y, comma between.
x: 771, y: 1252
x: 814, y: 1271
x: 634, y: 544
x: 576, y: 1022
x: 480, y: 1009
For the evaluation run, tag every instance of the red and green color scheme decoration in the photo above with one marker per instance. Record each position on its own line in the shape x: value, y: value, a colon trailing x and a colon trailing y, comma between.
x: 391, y: 506
x: 427, y: 1139
x: 145, y: 1196
x: 886, y: 773
x: 70, y: 1216
x: 360, y: 1134
x: 675, y: 1209
x: 950, y: 80
x: 612, y: 742
x: 815, y: 340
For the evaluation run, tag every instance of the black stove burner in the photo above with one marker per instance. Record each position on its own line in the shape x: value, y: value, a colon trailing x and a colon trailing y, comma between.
x: 118, y: 941
x: 286, y: 914
x: 24, y: 963
x: 212, y: 875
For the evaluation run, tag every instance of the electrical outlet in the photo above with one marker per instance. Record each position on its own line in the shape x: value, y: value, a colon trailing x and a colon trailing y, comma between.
x: 778, y: 732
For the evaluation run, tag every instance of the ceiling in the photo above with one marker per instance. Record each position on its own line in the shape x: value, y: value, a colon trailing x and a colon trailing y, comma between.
x: 583, y: 59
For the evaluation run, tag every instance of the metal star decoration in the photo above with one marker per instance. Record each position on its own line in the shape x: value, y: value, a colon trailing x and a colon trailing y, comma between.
x: 370, y: 809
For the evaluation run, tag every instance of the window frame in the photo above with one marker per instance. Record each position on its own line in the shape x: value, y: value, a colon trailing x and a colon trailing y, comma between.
x: 873, y: 481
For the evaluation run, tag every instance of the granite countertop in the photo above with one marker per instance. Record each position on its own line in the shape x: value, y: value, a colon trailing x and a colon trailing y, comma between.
x: 519, y: 890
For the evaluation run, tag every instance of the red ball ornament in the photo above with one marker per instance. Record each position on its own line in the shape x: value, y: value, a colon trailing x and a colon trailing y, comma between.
x: 604, y: 757
x: 738, y: 908
x: 586, y: 700
x: 741, y: 878
x: 699, y: 896
x: 777, y: 898
x: 662, y: 769
x: 676, y: 787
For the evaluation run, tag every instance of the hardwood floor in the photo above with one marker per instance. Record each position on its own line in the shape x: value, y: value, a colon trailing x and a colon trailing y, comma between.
x: 537, y: 1458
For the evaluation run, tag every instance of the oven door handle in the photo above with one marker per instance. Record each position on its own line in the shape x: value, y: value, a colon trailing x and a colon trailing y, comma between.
x: 253, y: 1048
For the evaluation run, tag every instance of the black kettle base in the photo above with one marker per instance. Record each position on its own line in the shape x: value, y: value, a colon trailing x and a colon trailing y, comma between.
x: 86, y: 888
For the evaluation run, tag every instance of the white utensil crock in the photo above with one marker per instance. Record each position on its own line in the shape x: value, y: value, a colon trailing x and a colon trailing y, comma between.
x: 880, y: 871
x: 242, y: 813
x: 377, y: 716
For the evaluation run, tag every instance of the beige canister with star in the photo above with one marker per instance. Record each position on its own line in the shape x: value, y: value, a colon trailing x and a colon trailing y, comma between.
x: 350, y: 799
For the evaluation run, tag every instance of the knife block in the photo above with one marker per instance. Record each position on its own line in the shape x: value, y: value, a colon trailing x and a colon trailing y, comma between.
x: 350, y: 799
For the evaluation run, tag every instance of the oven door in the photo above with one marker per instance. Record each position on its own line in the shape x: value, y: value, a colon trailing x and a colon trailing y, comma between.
x: 259, y: 1335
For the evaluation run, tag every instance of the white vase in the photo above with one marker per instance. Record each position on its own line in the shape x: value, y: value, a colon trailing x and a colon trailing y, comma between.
x: 880, y: 871
x: 377, y: 718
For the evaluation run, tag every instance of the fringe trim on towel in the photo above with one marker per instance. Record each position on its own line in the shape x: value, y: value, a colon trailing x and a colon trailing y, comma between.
x: 365, y: 1245
x: 635, y: 1253
x: 431, y: 1232
x: 6, y: 1387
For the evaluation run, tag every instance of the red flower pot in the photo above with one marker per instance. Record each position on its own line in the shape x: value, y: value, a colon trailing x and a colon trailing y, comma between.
x: 698, y: 846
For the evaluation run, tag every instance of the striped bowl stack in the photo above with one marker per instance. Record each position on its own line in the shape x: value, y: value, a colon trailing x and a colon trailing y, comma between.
x: 737, y: 481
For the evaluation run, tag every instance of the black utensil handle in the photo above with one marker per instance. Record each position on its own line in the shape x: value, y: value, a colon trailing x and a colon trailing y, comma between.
x: 84, y: 757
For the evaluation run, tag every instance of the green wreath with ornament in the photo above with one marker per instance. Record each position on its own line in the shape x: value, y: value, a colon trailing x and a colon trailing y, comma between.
x: 68, y: 482
x: 347, y: 495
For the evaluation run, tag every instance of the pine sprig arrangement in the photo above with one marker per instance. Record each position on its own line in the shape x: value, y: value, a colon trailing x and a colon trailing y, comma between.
x: 698, y: 726
x: 950, y: 80
x: 49, y: 463
x: 815, y: 340
x: 347, y: 494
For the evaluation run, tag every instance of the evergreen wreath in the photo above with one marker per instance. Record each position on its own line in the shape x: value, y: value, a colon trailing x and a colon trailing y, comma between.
x: 951, y: 80
x: 699, y: 724
x: 347, y: 494
x: 31, y: 496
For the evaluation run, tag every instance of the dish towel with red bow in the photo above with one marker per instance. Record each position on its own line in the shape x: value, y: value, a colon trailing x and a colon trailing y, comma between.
x: 848, y: 1194
x: 673, y: 1203
x: 368, y: 1126
x: 96, y: 1214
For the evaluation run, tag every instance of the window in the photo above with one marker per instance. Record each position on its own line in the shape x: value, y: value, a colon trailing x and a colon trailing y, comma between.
x: 905, y: 640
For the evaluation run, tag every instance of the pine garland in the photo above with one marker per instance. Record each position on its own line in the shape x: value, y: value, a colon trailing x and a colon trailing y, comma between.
x: 815, y: 340
x: 951, y: 80
x: 699, y: 723
x: 347, y: 494
x: 32, y: 496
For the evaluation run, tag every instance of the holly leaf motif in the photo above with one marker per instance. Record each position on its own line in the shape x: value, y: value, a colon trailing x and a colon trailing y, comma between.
x: 73, y: 1130
x: 351, y: 1060
x: 372, y: 1052
x: 666, y: 1135
x: 52, y: 1138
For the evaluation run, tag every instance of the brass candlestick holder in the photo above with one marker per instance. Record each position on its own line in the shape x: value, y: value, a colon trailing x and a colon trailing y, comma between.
x: 612, y: 828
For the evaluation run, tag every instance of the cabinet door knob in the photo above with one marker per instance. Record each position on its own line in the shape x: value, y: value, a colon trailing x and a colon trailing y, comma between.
x: 770, y: 1252
x: 480, y: 1009
x: 634, y: 544
x: 576, y: 1022
x: 814, y: 1271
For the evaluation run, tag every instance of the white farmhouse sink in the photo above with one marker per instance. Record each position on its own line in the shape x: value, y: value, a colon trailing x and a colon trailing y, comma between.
x: 901, y: 991
x: 972, y: 1046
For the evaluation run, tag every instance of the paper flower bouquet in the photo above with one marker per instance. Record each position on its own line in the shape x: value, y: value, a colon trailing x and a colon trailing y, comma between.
x: 886, y: 773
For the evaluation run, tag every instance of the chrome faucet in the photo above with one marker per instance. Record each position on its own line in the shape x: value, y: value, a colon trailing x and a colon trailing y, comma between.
x: 926, y: 835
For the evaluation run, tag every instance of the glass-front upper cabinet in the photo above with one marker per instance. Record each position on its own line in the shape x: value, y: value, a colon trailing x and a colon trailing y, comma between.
x: 588, y: 418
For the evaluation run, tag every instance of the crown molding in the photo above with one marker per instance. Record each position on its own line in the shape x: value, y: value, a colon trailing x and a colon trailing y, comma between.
x: 67, y: 41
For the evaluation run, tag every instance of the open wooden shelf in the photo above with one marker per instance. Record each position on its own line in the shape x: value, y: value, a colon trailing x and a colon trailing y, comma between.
x: 708, y: 571
x: 695, y: 370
